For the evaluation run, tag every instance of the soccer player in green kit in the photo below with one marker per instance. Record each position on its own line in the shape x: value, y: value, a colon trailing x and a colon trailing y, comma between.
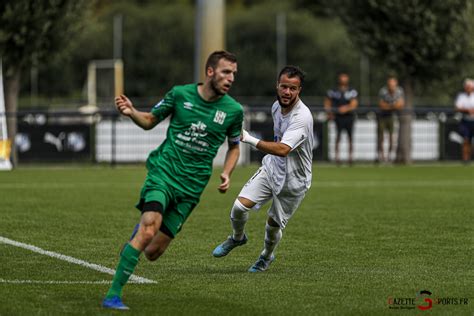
x: 202, y: 116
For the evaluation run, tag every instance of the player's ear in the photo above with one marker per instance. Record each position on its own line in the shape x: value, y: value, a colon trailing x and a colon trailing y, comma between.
x: 209, y: 71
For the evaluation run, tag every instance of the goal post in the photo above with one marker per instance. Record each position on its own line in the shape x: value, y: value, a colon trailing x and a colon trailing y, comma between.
x: 94, y: 81
x: 5, y: 142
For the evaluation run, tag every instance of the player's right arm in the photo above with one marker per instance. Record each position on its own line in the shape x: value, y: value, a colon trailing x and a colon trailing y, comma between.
x: 143, y: 119
x: 384, y: 105
x: 399, y: 104
x: 459, y: 106
x: 328, y: 106
x: 353, y: 103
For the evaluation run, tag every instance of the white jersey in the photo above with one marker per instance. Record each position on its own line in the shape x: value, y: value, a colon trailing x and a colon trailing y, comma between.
x: 465, y: 101
x: 294, y: 129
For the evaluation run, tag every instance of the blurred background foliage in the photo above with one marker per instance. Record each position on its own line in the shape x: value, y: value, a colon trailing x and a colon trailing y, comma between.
x: 158, y: 52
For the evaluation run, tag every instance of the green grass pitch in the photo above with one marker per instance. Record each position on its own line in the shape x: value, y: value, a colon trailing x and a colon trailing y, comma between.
x: 361, y: 236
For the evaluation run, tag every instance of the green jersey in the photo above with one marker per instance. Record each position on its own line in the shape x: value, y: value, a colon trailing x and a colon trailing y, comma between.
x: 197, y: 129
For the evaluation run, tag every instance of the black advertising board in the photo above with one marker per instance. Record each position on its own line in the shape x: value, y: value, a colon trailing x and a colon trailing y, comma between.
x: 53, y: 142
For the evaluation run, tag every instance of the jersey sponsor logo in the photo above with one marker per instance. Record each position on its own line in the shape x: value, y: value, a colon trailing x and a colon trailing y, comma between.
x: 188, y: 105
x: 197, y: 130
x: 192, y: 138
x: 159, y: 104
x: 219, y: 117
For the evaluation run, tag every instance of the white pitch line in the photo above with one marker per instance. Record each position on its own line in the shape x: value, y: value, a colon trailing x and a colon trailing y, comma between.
x: 69, y: 259
x: 52, y: 282
x: 57, y: 282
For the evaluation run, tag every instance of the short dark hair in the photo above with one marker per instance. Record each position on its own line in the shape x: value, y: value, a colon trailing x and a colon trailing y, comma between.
x: 293, y: 71
x: 392, y: 76
x: 214, y: 58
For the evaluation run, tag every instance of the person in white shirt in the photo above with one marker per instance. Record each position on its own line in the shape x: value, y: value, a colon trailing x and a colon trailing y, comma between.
x: 465, y: 105
x: 285, y: 174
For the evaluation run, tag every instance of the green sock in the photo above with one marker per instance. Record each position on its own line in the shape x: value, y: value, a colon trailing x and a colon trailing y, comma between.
x: 125, y: 267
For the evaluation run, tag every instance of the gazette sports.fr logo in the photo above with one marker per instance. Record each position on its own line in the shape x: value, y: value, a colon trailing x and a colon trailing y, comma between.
x: 424, y: 301
x: 422, y: 294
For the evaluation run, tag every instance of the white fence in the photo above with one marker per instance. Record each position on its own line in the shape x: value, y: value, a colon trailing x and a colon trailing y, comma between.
x: 425, y: 140
x: 133, y: 144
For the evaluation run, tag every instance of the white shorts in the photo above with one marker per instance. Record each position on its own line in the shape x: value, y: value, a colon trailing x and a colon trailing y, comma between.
x: 284, y: 204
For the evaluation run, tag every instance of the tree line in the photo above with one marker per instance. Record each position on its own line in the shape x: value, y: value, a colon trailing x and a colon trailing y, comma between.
x: 46, y: 45
x: 322, y: 37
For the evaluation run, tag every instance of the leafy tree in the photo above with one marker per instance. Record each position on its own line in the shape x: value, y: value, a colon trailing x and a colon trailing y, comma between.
x: 319, y: 45
x: 157, y: 49
x: 32, y: 31
x: 420, y: 41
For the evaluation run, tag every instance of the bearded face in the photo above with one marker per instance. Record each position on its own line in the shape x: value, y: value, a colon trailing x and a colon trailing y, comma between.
x: 222, y: 77
x: 288, y: 91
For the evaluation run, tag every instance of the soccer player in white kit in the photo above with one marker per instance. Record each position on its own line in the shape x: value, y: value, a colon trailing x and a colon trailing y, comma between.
x: 285, y: 174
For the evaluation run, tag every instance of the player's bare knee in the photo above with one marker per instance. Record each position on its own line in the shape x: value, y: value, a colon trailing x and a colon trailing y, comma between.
x: 153, y: 255
x: 149, y: 255
x: 243, y: 203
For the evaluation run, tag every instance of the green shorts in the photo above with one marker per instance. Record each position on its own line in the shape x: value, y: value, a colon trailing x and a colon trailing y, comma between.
x: 177, y: 206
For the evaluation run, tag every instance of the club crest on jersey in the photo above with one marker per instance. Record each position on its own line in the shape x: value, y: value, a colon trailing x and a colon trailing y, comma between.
x: 219, y: 117
x: 188, y: 105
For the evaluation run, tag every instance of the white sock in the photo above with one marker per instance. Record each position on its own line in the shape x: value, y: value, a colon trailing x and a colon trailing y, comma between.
x: 272, y: 238
x: 238, y: 217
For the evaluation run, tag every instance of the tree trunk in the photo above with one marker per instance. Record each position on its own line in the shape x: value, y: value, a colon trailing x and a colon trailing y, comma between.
x: 12, y: 89
x: 404, y: 131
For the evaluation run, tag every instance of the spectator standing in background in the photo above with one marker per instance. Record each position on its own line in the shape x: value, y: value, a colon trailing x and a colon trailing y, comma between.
x: 465, y: 105
x: 391, y: 101
x: 340, y: 104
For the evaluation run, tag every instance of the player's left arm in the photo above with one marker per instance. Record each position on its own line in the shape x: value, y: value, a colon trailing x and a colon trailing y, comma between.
x: 231, y: 158
x: 328, y: 107
x: 460, y: 107
x: 353, y: 104
x: 292, y: 138
x: 400, y: 102
x: 233, y: 151
x: 274, y: 148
